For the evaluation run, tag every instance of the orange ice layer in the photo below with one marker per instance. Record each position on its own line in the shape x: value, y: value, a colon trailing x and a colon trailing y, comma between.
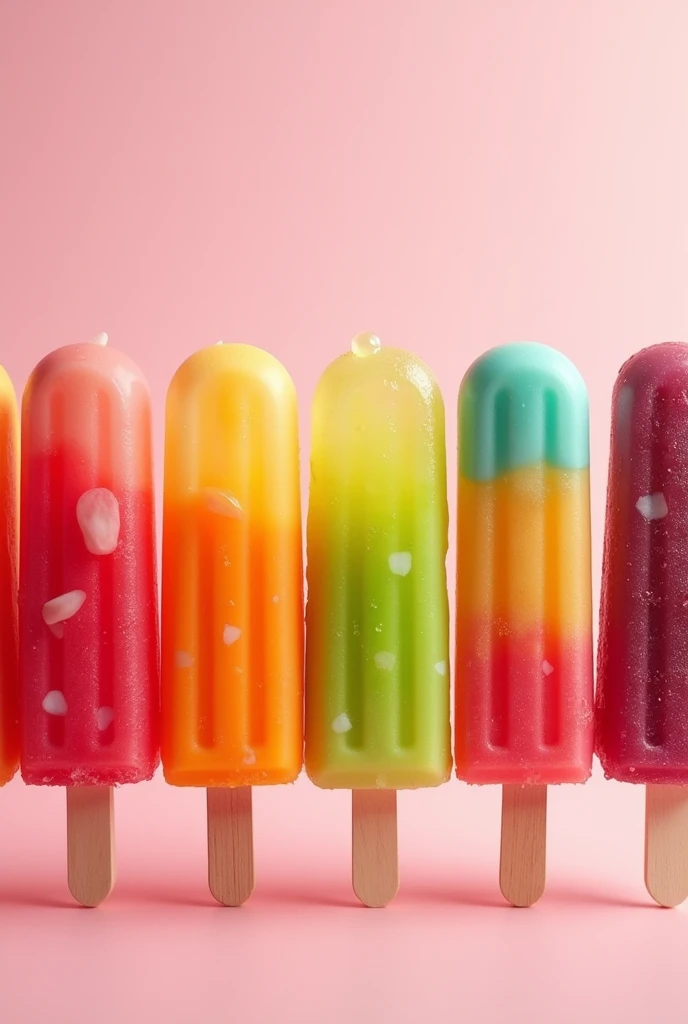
x: 232, y: 603
x: 9, y: 520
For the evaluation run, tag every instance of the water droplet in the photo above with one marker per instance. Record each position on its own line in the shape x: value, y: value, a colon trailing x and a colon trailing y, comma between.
x: 365, y: 345
x: 100, y: 339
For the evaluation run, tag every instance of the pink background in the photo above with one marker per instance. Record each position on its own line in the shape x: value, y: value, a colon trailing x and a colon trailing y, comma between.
x: 451, y: 175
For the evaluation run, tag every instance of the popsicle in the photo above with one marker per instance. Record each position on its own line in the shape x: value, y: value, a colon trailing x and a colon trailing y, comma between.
x: 642, y: 696
x: 524, y: 692
x: 9, y: 539
x: 232, y: 594
x: 88, y: 611
x: 377, y: 675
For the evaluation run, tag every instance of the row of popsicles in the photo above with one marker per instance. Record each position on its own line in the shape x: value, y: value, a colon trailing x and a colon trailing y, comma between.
x: 82, y: 701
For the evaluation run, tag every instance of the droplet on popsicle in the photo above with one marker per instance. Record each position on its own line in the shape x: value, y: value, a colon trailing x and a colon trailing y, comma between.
x: 547, y: 668
x: 183, y: 659
x: 249, y: 756
x: 341, y: 723
x: 97, y: 512
x: 100, y: 339
x: 54, y: 703
x: 104, y: 717
x: 441, y: 668
x: 365, y: 345
x: 222, y: 503
x: 61, y: 608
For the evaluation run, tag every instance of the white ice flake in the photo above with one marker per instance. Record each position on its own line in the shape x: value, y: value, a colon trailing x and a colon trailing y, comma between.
x: 652, y: 506
x: 61, y: 608
x: 341, y: 723
x: 104, y: 717
x: 230, y: 635
x: 385, y: 660
x: 97, y: 512
x: 54, y: 703
x: 400, y: 562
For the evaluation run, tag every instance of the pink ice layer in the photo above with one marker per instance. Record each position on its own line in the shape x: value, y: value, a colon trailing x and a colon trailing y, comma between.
x: 642, y: 678
x: 526, y: 718
x: 90, y: 684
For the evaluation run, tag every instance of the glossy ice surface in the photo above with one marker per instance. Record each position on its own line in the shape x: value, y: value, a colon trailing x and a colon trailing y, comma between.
x: 523, y: 645
x: 88, y: 621
x: 377, y: 670
x: 9, y: 565
x: 232, y: 619
x: 642, y: 695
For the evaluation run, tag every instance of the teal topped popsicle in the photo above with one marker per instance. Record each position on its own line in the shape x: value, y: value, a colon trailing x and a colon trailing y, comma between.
x: 519, y: 405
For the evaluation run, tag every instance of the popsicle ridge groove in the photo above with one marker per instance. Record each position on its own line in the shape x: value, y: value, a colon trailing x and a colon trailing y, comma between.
x: 56, y: 727
x: 659, y: 568
x: 104, y: 566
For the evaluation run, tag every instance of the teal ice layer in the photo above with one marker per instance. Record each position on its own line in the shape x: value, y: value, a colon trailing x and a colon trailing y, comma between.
x: 519, y: 405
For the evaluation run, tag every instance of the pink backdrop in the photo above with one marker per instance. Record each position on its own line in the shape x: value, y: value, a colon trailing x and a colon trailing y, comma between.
x: 451, y: 175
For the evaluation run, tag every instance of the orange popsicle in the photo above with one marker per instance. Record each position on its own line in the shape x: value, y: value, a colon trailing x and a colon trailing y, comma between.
x: 9, y: 520
x: 232, y: 603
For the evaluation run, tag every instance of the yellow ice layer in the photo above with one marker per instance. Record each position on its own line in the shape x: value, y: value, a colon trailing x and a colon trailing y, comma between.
x: 524, y: 549
x: 232, y: 611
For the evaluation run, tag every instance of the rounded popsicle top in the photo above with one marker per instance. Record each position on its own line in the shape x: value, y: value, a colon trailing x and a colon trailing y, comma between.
x: 95, y: 360
x: 659, y: 365
x: 86, y: 399
x: 241, y: 362
x: 389, y: 373
x: 522, y: 404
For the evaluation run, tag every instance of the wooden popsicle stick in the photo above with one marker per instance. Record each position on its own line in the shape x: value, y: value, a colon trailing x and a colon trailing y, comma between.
x: 375, y: 867
x: 230, y: 844
x: 666, y: 844
x: 522, y: 864
x: 90, y: 843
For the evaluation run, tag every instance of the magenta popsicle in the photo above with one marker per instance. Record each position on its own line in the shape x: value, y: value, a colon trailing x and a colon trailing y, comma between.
x: 642, y: 697
x: 642, y: 694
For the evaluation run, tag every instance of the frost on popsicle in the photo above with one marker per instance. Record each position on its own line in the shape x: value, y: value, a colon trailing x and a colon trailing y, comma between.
x: 342, y: 723
x: 54, y: 703
x: 183, y: 659
x: 547, y: 668
x: 97, y: 512
x: 441, y: 668
x: 222, y: 503
x: 61, y: 608
x: 400, y: 562
x: 652, y: 506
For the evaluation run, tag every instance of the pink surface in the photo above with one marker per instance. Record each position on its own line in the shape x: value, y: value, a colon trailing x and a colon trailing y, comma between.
x: 451, y: 175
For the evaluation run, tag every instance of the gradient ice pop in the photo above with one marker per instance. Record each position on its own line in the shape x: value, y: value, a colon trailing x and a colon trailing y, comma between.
x: 232, y: 620
x: 377, y: 678
x: 524, y: 687
x: 642, y: 696
x: 88, y: 611
x: 9, y: 575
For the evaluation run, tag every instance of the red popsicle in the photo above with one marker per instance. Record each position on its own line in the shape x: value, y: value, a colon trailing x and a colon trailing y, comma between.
x: 88, y: 610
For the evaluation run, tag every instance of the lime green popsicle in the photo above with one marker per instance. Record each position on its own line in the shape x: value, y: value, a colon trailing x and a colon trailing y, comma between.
x: 377, y: 669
